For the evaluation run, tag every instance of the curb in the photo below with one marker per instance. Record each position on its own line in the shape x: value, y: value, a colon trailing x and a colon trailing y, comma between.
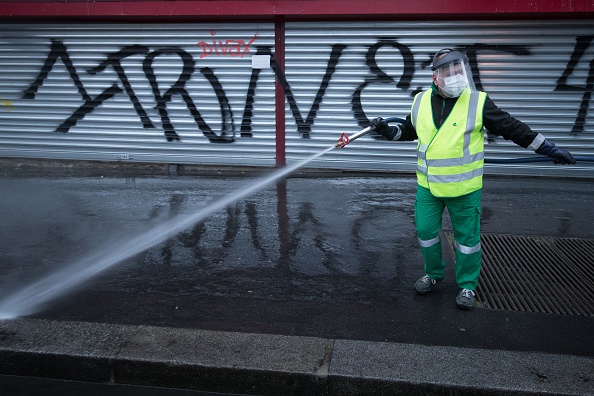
x: 264, y: 364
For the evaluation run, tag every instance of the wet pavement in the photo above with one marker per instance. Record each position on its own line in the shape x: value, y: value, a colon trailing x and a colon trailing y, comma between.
x: 324, y: 256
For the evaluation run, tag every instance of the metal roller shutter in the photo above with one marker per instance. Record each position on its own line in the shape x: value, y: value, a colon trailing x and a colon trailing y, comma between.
x: 174, y: 93
x: 63, y: 97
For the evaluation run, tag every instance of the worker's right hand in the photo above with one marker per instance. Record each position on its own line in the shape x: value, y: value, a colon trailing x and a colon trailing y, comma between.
x: 379, y: 126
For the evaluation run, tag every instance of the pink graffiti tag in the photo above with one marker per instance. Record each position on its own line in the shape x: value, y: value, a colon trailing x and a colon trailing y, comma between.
x: 234, y: 48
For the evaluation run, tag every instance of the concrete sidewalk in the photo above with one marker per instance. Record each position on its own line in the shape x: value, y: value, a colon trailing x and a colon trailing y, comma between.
x: 263, y: 364
x: 304, y: 288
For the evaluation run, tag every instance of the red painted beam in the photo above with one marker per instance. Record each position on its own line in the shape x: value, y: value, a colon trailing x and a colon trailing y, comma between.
x: 279, y: 61
x: 292, y: 8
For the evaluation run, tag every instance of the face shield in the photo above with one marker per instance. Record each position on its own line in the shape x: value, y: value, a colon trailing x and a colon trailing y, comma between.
x: 452, y: 73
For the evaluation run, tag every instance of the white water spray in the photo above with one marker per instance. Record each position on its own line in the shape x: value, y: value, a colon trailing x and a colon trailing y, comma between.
x: 29, y: 299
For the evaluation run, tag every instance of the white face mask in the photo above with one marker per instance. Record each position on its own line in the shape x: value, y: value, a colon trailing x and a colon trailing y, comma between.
x: 454, y: 85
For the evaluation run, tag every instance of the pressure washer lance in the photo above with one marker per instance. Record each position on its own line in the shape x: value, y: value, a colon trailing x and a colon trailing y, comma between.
x: 346, y: 139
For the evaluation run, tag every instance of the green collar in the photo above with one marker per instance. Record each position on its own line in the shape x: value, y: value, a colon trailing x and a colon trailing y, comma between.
x: 434, y: 89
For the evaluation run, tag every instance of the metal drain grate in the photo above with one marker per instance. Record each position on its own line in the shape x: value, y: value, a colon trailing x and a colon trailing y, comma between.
x: 536, y: 274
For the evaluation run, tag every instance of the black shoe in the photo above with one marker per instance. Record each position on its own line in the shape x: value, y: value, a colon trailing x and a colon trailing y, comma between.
x: 465, y: 299
x: 425, y: 284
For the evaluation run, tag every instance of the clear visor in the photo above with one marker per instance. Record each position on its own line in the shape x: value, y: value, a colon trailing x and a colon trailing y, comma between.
x: 455, y: 77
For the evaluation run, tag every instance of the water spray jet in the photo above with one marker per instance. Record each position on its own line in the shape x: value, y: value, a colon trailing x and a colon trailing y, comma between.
x: 29, y: 299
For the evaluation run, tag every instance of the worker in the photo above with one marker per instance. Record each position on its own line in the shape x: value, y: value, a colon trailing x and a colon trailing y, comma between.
x: 448, y: 121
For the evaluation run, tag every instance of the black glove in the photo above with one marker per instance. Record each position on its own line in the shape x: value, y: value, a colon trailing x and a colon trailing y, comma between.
x: 550, y: 149
x: 380, y: 127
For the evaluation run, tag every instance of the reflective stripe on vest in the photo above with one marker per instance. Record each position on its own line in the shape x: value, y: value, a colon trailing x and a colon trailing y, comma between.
x: 454, y: 166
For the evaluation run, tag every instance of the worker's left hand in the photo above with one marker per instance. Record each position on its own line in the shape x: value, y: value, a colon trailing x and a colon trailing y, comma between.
x: 560, y: 156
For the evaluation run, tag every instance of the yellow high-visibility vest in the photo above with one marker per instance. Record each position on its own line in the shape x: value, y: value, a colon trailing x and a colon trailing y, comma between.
x: 450, y: 159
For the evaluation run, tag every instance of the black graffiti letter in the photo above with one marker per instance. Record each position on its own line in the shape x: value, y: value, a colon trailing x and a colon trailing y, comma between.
x: 226, y: 113
x: 87, y: 108
x: 57, y: 50
x: 179, y: 88
x: 114, y: 59
x: 472, y: 51
x: 381, y: 77
x: 304, y: 126
x: 246, y: 121
x: 582, y: 44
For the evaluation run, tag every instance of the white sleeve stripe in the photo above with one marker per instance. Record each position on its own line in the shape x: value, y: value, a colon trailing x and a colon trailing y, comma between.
x: 538, y: 140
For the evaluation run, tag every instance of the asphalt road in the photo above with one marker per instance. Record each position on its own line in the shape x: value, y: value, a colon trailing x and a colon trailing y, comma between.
x: 332, y: 256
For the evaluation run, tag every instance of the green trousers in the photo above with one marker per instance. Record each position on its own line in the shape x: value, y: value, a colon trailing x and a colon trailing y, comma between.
x: 465, y: 213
